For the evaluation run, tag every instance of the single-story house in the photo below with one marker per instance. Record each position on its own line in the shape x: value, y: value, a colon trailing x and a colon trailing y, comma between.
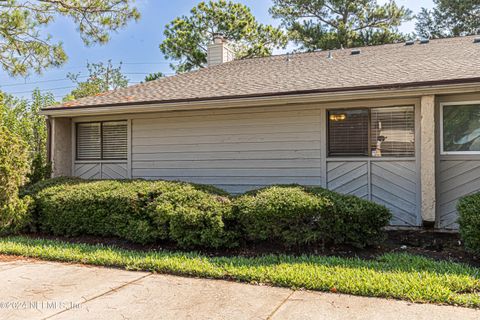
x: 398, y: 124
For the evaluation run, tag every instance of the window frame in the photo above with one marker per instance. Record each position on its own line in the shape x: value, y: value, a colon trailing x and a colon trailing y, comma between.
x: 101, y: 141
x: 369, y: 156
x: 442, y: 147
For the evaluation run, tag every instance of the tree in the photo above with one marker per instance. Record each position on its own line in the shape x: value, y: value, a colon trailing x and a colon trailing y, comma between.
x: 24, y: 46
x: 21, y: 117
x: 187, y: 37
x: 332, y: 24
x: 102, y: 77
x: 14, y: 213
x: 449, y: 18
x: 154, y: 76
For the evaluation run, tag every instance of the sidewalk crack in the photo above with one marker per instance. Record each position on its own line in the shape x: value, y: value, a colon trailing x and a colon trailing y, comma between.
x: 280, y: 305
x: 101, y: 295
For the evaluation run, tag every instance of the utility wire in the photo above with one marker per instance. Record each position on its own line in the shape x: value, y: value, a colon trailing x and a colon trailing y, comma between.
x: 145, y: 63
x: 35, y: 82
x: 62, y: 79
x: 43, y: 90
x: 59, y: 88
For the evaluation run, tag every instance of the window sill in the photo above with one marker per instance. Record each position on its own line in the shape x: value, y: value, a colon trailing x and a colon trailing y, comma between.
x: 346, y: 159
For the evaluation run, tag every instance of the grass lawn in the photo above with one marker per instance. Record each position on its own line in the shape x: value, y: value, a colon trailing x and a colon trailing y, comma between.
x: 400, y: 276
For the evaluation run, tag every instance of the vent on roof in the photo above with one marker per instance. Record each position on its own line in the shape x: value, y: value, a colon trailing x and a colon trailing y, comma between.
x: 355, y: 52
x: 410, y: 43
x: 424, y: 41
x: 476, y: 40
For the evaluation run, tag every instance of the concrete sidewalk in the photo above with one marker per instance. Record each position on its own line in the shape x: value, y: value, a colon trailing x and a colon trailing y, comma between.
x: 43, y: 290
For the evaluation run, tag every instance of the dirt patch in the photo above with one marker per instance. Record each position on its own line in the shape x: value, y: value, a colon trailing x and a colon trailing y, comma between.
x: 5, y: 258
x: 436, y: 245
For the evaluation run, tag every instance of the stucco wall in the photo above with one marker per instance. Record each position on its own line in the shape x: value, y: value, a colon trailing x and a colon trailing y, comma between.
x: 61, y: 147
x: 427, y: 159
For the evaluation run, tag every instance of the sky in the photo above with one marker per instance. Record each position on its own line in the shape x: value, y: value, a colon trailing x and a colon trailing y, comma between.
x: 136, y: 46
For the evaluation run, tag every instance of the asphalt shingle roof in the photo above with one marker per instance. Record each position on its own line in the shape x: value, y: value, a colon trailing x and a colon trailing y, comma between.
x: 442, y: 61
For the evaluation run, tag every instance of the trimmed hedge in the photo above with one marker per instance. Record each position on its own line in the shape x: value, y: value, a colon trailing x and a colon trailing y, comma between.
x: 139, y: 211
x: 191, y: 216
x: 203, y: 216
x: 469, y: 222
x: 288, y: 214
x: 298, y: 215
x: 353, y: 220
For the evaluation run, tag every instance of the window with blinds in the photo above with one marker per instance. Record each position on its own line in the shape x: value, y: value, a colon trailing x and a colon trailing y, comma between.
x: 114, y: 140
x: 348, y: 132
x: 393, y: 132
x: 102, y: 140
x: 89, y: 146
x: 376, y: 132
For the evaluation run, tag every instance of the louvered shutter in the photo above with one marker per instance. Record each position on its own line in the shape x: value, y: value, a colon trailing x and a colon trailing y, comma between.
x: 114, y: 140
x: 89, y: 141
x: 393, y: 132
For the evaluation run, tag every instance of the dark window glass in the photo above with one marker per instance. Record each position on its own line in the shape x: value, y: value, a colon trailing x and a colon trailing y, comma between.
x: 461, y: 128
x: 348, y: 132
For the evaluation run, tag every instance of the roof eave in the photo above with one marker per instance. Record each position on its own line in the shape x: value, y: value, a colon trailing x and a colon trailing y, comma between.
x: 311, y: 96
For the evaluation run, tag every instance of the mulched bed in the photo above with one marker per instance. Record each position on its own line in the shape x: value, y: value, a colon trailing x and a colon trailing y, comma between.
x: 436, y: 245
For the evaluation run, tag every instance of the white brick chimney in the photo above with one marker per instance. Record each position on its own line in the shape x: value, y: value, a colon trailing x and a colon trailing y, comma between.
x: 219, y: 51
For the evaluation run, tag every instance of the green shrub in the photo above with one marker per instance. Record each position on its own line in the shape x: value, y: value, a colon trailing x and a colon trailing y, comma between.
x: 469, y: 222
x: 102, y: 208
x: 192, y: 217
x: 14, y: 212
x: 35, y: 188
x: 301, y: 215
x: 202, y: 216
x: 353, y: 220
x: 138, y: 211
x: 40, y: 169
x: 288, y: 214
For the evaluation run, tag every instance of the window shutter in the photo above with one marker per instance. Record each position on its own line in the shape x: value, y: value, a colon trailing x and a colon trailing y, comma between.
x: 114, y: 138
x: 348, y: 132
x: 88, y: 141
x: 393, y: 132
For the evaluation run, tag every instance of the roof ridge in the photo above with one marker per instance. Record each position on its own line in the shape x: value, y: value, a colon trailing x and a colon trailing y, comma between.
x: 346, y: 49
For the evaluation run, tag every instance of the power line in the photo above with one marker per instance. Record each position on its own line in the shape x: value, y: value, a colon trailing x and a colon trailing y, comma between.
x: 59, y: 88
x: 136, y: 73
x: 62, y: 79
x: 35, y: 82
x: 145, y: 63
x: 43, y: 90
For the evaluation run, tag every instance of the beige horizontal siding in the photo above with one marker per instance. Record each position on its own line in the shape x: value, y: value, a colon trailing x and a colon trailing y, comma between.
x: 227, y: 155
x: 237, y: 151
